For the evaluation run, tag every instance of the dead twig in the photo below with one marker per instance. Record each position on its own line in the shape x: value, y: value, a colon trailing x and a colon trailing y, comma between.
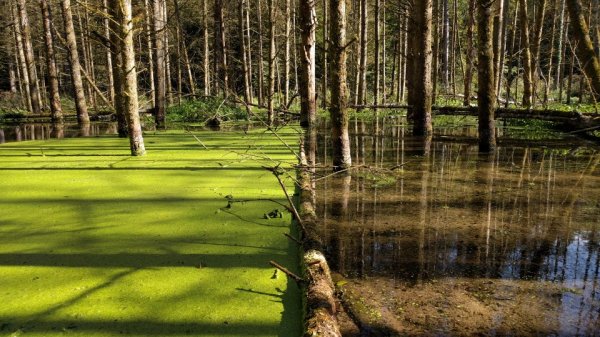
x: 295, y: 277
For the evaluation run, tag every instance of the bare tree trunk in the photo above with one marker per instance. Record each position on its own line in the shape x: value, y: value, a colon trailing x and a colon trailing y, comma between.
x: 326, y: 53
x: 220, y: 49
x: 362, y: 78
x: 342, y: 158
x: 486, y: 93
x: 34, y: 87
x: 287, y: 57
x: 308, y: 86
x: 470, y: 54
x: 537, y: 41
x: 129, y: 77
x: 420, y: 54
x: 377, y: 59
x: 169, y: 79
x: 585, y: 48
x: 527, y: 63
x: 21, y: 58
x: 160, y: 71
x: 445, y: 45
x: 560, y: 48
x: 551, y: 56
x: 12, y: 77
x: 261, y: 57
x: 109, y: 61
x: 249, y: 49
x: 244, y: 53
x: 55, y: 106
x: 80, y: 102
x: 116, y: 47
x: 206, y: 49
x: 272, y: 65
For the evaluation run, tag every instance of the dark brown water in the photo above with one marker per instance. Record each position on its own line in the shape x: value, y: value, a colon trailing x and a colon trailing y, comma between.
x: 435, y: 239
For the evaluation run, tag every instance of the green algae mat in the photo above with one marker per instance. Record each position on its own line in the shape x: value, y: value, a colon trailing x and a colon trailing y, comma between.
x: 94, y: 242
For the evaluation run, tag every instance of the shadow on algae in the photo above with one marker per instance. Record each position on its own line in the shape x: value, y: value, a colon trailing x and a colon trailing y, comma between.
x: 96, y: 243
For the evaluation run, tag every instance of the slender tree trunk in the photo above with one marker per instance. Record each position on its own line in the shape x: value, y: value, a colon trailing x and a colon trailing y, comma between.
x: 342, y: 158
x: 272, y: 65
x: 420, y: 54
x: 261, y: 57
x: 244, y: 53
x: 160, y: 72
x: 326, y: 53
x: 80, y: 102
x: 109, y: 61
x: 383, y: 54
x: 585, y: 48
x: 116, y: 47
x: 129, y: 76
x: 178, y: 43
x: 377, y: 59
x: 362, y: 78
x: 486, y: 93
x: 470, y: 54
x: 55, y: 106
x: 249, y: 49
x: 287, y: 57
x: 551, y: 56
x: 498, y: 38
x: 560, y: 48
x: 537, y: 42
x: 21, y: 58
x: 34, y: 87
x: 169, y: 79
x: 527, y: 63
x: 12, y: 77
x: 222, y: 42
x: 445, y: 45
x: 206, y: 49
x: 308, y: 87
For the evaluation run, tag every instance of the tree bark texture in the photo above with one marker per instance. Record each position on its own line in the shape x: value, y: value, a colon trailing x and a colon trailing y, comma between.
x: 486, y: 93
x: 55, y: 106
x: 308, y: 88
x: 526, y: 55
x: 160, y: 72
x: 585, y: 47
x: 338, y: 107
x: 420, y: 55
x: 34, y: 88
x: 78, y: 90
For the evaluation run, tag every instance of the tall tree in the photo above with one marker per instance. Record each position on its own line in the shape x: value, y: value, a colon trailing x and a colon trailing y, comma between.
x: 420, y: 58
x: 78, y: 90
x: 585, y: 47
x: 362, y: 77
x: 55, y: 106
x: 338, y: 108
x: 205, y: 49
x: 486, y: 93
x: 470, y: 54
x: 272, y: 56
x: 24, y: 74
x: 308, y: 87
x: 221, y: 72
x: 160, y: 71
x: 526, y: 55
x: 34, y: 87
x: 126, y: 79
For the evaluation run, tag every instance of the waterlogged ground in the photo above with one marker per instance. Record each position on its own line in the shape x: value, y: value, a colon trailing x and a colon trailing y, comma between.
x: 94, y: 242
x: 430, y: 238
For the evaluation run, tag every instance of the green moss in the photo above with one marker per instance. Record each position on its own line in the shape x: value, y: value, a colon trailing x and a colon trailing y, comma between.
x: 94, y: 242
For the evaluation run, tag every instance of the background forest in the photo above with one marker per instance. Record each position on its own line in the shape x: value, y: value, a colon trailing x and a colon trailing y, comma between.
x: 246, y: 50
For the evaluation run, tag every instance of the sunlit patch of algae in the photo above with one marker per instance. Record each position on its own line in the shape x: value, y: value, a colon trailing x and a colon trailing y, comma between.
x: 94, y: 242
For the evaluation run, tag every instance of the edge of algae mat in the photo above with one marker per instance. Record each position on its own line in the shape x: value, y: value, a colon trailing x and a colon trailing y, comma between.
x: 94, y: 242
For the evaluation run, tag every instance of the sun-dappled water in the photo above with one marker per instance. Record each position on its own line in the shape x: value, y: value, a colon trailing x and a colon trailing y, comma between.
x: 433, y: 238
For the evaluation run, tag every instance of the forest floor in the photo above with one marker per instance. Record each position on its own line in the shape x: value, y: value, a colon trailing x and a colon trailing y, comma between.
x: 94, y: 242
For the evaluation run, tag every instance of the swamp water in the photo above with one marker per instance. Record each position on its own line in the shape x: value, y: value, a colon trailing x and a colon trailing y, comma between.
x: 430, y: 238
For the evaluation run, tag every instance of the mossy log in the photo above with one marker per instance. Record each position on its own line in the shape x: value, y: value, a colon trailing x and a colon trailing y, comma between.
x: 321, y: 303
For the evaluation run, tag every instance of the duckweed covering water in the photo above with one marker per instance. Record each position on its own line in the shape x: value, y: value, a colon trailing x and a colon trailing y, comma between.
x: 96, y: 243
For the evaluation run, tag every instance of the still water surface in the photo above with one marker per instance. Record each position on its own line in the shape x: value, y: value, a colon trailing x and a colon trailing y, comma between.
x: 436, y: 239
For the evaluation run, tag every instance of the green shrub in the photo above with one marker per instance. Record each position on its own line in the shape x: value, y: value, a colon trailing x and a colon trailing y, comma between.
x: 195, y: 111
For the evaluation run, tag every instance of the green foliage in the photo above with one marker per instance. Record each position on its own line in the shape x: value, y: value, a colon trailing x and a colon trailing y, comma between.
x: 197, y: 111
